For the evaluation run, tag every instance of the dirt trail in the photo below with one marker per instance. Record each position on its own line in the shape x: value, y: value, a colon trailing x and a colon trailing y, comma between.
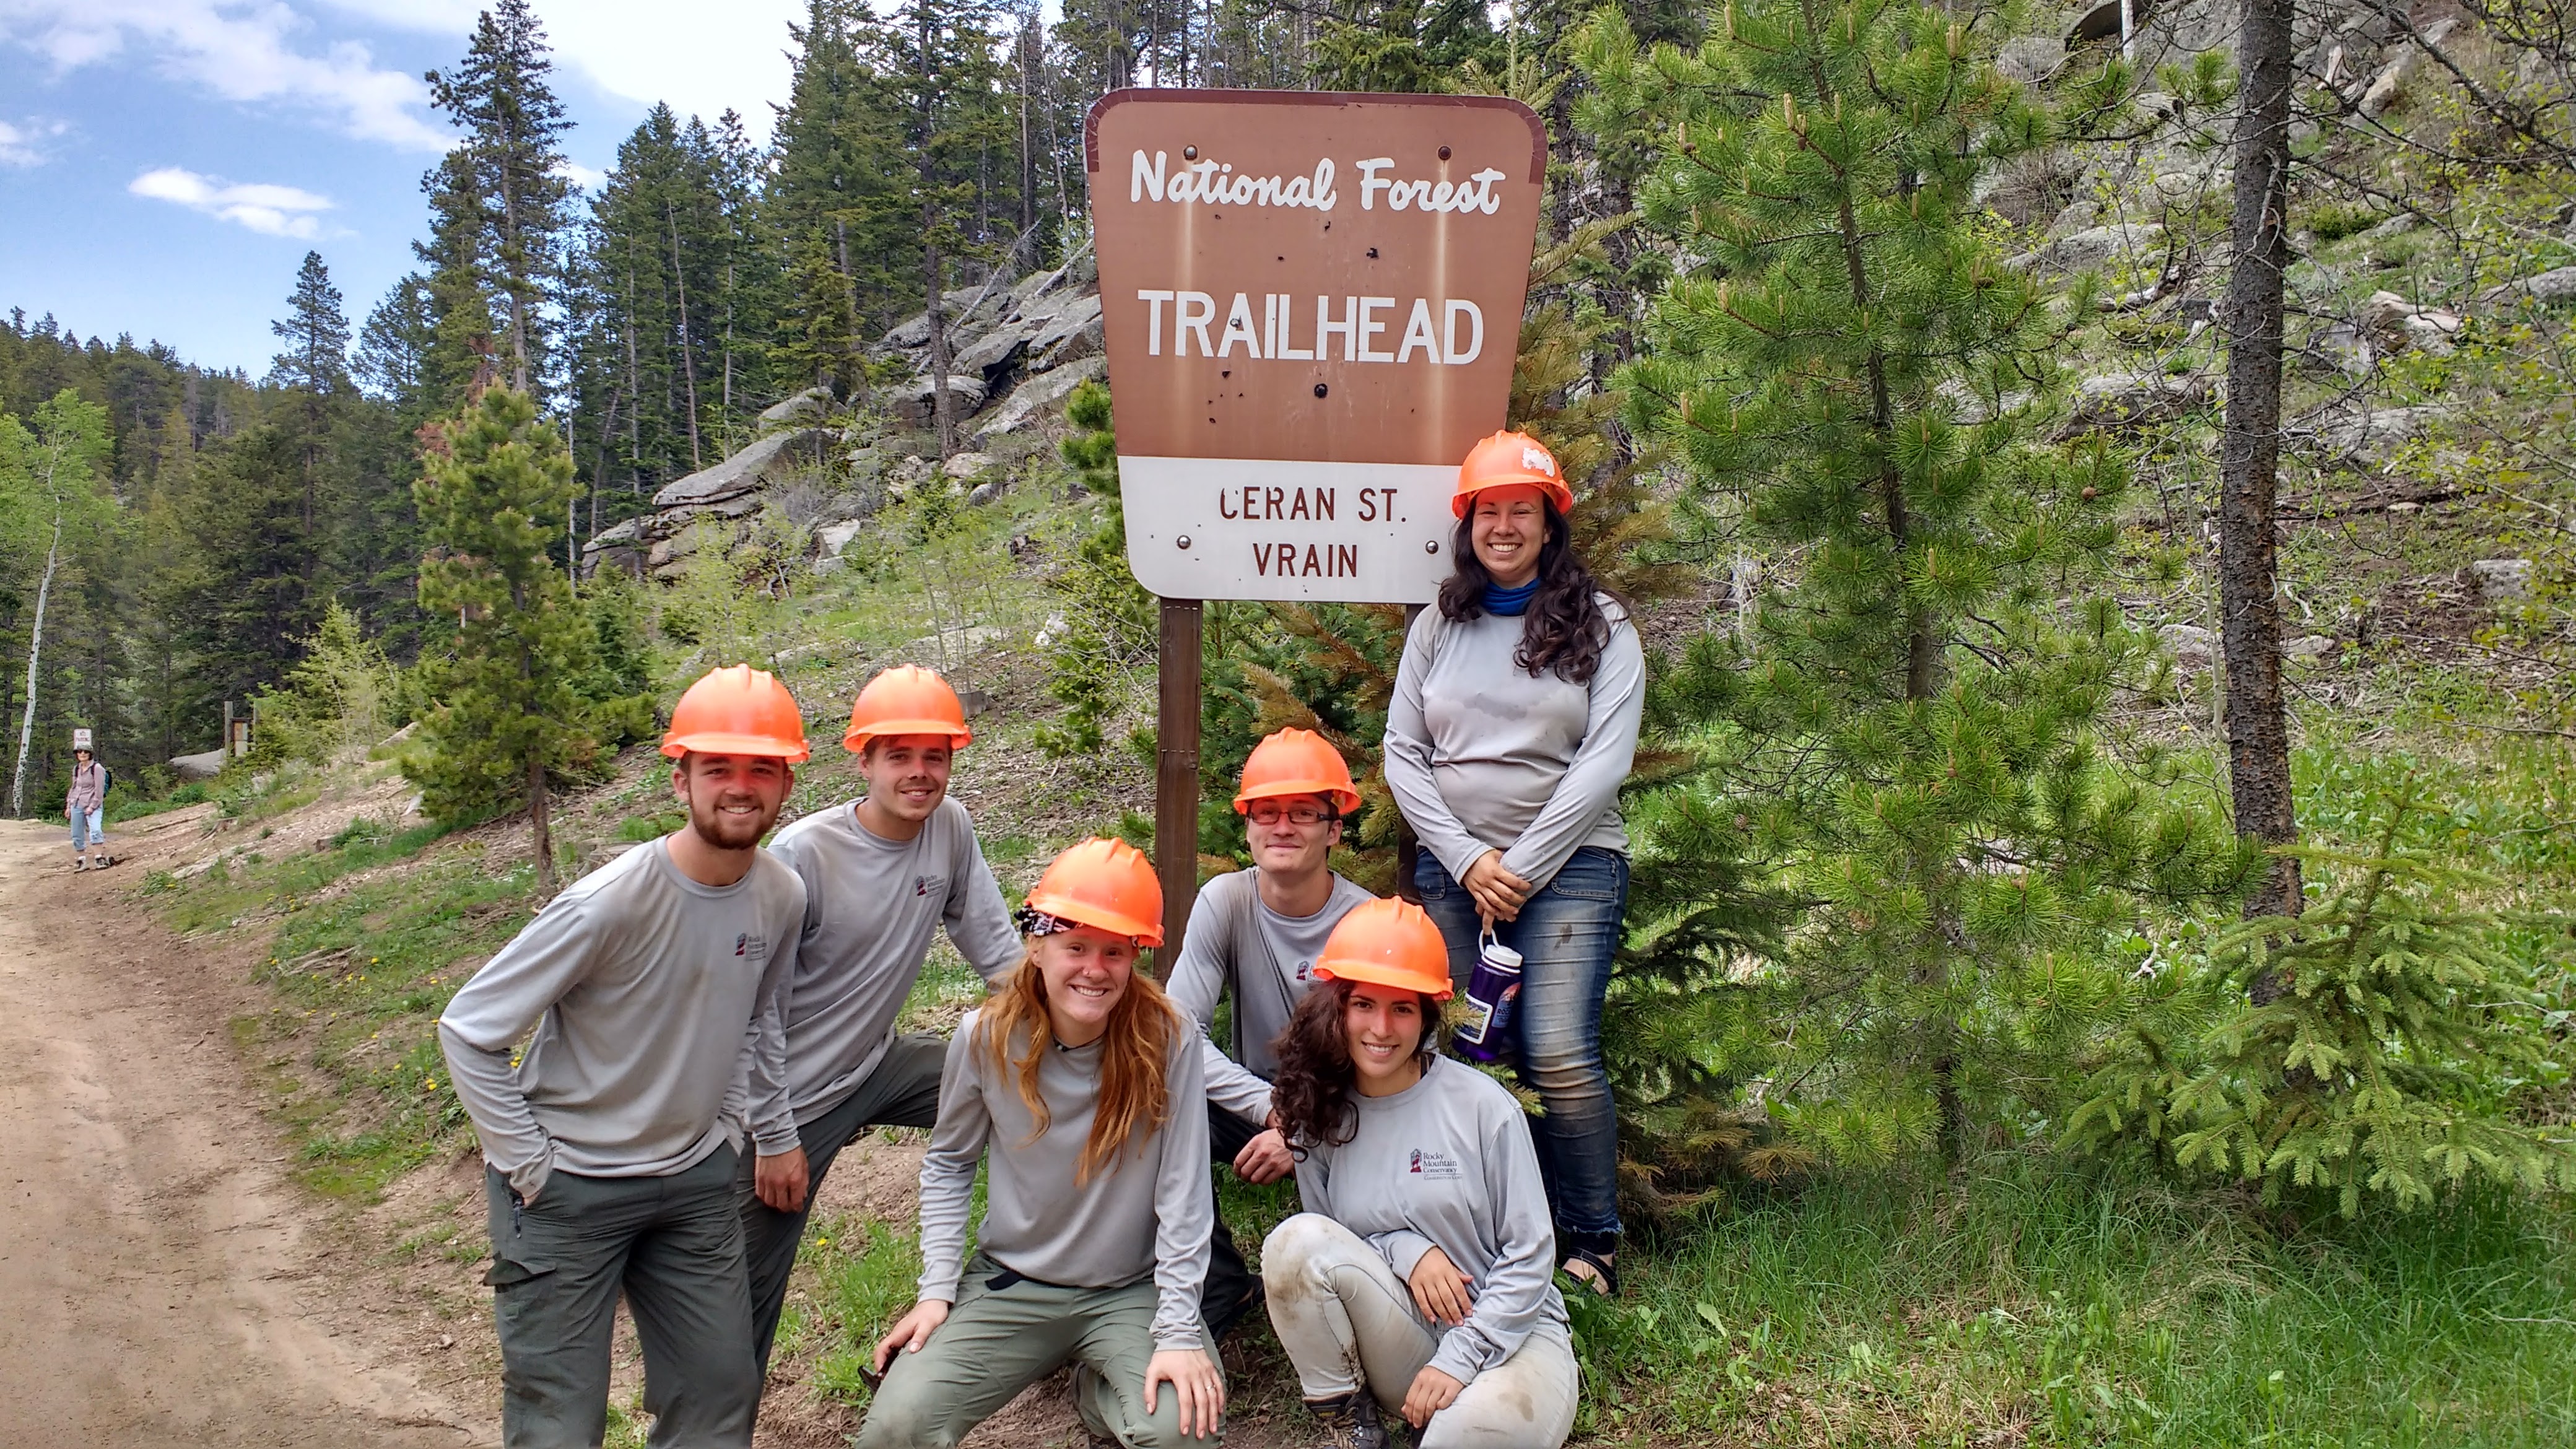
x: 158, y: 1285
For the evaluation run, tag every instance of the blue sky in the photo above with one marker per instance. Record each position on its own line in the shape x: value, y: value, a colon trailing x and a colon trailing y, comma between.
x: 165, y: 164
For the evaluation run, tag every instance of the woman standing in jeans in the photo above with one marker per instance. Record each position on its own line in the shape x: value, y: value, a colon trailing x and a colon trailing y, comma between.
x: 1513, y: 725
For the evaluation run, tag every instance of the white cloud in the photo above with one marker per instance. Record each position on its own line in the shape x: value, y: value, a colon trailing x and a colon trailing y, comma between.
x: 701, y: 58
x: 582, y: 176
x: 270, y: 210
x: 241, y: 50
x: 23, y: 145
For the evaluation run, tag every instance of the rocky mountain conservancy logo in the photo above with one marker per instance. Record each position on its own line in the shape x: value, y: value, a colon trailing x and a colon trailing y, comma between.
x: 750, y: 947
x: 1435, y: 1166
x: 929, y: 885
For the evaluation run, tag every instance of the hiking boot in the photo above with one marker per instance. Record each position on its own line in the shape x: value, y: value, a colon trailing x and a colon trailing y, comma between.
x: 99, y: 861
x: 1350, y: 1422
x: 80, y: 862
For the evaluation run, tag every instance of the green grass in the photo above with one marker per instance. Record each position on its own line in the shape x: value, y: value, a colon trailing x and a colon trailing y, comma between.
x: 2075, y: 1308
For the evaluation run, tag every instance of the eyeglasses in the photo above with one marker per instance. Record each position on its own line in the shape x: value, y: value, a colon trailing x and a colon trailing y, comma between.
x: 1295, y: 814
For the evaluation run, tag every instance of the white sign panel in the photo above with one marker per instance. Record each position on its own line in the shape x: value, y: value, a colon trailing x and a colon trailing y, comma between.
x: 80, y: 739
x: 1238, y: 528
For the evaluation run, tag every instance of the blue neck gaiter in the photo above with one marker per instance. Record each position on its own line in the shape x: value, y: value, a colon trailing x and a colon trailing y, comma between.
x: 1510, y: 603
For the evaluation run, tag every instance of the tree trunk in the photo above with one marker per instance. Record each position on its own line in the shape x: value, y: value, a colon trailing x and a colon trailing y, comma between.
x: 688, y: 368
x: 943, y: 411
x: 35, y: 650
x: 2258, y: 732
x: 541, y: 837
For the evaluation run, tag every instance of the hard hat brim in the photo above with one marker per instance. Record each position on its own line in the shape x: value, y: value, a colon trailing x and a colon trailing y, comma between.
x: 1378, y: 973
x: 1343, y: 797
x: 708, y: 742
x: 959, y: 737
x: 1082, y: 913
x: 1555, y: 489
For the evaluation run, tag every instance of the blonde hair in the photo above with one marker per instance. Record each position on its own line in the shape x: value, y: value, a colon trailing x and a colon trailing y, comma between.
x: 1135, y: 1054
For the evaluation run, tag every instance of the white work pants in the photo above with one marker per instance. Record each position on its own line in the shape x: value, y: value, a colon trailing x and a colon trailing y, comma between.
x: 1347, y: 1323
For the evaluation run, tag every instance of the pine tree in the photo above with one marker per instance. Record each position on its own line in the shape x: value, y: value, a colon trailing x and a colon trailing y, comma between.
x: 496, y: 480
x: 2368, y: 1070
x: 504, y: 178
x: 818, y: 341
x: 1909, y: 733
x: 315, y: 368
x: 939, y: 61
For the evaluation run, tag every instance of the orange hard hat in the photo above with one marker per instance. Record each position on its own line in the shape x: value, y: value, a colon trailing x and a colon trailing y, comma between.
x: 737, y: 710
x: 907, y: 700
x: 1388, y: 942
x: 1296, y: 762
x: 1506, y: 459
x: 1104, y: 883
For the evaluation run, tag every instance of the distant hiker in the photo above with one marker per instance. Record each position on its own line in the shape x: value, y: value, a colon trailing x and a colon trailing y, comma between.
x: 881, y: 875
x: 1255, y: 935
x: 653, y: 985
x: 1417, y: 1281
x: 86, y: 805
x: 1078, y: 1085
x: 1514, y: 723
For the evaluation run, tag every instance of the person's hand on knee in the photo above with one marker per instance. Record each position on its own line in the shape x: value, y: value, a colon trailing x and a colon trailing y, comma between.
x: 1195, y: 1382
x: 1432, y: 1391
x: 913, y: 1330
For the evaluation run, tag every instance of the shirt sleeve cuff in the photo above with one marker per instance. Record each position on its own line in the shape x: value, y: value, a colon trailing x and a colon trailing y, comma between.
x: 1404, y: 1250
x: 1457, y: 1357
x: 529, y: 1178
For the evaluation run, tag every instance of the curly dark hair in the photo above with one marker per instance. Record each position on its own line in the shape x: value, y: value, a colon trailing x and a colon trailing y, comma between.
x: 1565, y: 629
x: 1313, y: 1089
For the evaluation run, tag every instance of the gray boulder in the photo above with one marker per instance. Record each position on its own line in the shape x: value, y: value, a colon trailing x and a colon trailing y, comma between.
x: 2130, y: 400
x: 754, y: 467
x: 1039, y: 397
x: 1070, y: 334
x: 962, y: 466
x: 2193, y: 646
x: 913, y: 401
x: 2091, y: 247
x: 2499, y: 580
x: 808, y: 406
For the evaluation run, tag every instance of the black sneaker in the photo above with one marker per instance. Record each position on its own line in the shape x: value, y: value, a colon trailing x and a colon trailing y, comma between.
x: 1350, y: 1422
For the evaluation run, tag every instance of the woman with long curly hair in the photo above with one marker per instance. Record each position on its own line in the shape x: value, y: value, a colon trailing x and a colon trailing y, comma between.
x: 1418, y: 1279
x: 1079, y: 1085
x: 1513, y: 725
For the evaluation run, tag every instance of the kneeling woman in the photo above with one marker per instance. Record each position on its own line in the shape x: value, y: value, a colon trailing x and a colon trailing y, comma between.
x: 1419, y: 1277
x: 1080, y: 1085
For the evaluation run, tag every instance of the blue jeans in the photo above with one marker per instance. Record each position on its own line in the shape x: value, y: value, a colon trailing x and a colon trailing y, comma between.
x: 89, y: 827
x: 1566, y: 935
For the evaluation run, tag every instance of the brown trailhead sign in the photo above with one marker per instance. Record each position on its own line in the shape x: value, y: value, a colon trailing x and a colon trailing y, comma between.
x: 1312, y: 305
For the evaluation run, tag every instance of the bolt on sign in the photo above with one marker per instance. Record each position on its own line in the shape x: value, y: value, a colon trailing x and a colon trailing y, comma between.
x: 1312, y: 306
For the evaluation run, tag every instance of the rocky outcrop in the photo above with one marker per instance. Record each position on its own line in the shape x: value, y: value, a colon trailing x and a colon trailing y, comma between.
x: 2133, y: 400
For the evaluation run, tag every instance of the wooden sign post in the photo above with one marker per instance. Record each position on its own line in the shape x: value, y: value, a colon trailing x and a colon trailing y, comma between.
x: 1311, y: 304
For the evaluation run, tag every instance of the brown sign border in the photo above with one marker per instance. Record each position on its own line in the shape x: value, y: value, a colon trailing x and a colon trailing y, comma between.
x: 1170, y: 94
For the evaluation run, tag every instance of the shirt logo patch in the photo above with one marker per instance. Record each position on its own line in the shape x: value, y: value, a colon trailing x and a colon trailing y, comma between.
x: 929, y: 885
x: 750, y: 947
x: 1434, y: 1166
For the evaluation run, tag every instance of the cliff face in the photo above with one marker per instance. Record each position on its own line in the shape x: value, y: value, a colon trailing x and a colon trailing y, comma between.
x: 1021, y: 348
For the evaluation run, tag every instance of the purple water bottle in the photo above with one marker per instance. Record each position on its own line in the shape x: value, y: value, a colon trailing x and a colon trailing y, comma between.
x: 1493, y: 994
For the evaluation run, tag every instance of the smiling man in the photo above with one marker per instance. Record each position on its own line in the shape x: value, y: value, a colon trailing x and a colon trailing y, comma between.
x: 611, y: 1147
x: 1255, y: 935
x: 881, y: 874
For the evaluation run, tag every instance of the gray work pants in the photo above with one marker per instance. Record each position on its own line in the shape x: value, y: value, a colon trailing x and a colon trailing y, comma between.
x: 997, y: 1342
x: 673, y: 1246
x: 902, y: 1090
x: 1348, y: 1324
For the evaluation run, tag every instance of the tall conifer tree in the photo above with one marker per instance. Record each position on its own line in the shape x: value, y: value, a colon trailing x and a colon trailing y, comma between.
x: 497, y: 483
x: 1912, y: 732
x: 505, y: 178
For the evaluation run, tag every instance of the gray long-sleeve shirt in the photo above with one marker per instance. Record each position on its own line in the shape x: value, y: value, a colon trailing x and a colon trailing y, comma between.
x: 1481, y: 755
x: 1268, y: 973
x: 654, y: 1000
x: 1447, y: 1164
x: 871, y: 905
x: 1148, y: 1210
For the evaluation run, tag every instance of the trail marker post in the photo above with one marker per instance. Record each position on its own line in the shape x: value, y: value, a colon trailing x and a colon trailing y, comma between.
x: 1311, y: 304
